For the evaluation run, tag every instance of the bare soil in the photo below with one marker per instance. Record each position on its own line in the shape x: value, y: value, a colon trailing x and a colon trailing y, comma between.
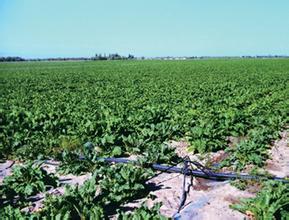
x: 205, y: 199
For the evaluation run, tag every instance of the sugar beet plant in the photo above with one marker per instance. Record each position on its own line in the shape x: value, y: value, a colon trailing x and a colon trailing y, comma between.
x: 26, y: 180
x: 270, y: 203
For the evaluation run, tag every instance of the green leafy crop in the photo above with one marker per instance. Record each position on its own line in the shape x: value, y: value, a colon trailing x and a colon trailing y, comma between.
x: 127, y: 108
x: 76, y: 203
x: 270, y: 203
x: 122, y: 182
x: 143, y: 213
x: 26, y: 180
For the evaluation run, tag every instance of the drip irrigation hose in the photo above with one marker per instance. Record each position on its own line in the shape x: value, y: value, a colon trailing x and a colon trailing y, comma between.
x: 201, y: 172
x: 204, y: 173
x: 177, y: 215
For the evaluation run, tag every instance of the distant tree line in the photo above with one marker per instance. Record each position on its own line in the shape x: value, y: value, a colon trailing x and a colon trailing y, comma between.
x: 116, y: 56
x: 113, y: 56
x: 11, y: 59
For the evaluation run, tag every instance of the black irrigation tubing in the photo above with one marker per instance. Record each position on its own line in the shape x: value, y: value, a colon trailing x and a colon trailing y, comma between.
x: 206, y: 174
x: 185, y: 192
x: 199, y: 173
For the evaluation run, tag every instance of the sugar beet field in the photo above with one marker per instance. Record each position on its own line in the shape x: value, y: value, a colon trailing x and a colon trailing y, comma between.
x: 74, y: 113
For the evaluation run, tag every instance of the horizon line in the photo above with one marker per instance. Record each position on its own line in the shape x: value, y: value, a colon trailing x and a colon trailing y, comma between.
x: 147, y: 57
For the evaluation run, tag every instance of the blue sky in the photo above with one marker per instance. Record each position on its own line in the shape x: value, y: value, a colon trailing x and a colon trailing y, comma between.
x: 72, y: 28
